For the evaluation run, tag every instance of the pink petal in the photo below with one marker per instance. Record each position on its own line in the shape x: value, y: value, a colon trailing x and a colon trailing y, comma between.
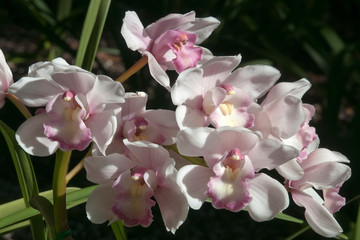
x: 269, y: 198
x: 324, y: 175
x: 170, y: 22
x: 105, y: 90
x: 333, y: 201
x: 157, y: 72
x: 270, y: 154
x: 323, y: 155
x: 172, y: 204
x: 193, y: 141
x: 135, y: 103
x: 148, y: 155
x: 291, y: 170
x: 165, y: 122
x: 188, y: 86
x: 133, y: 32
x: 79, y: 82
x: 99, y: 204
x: 317, y: 216
x: 189, y: 117
x: 193, y: 180
x: 35, y: 92
x: 133, y: 201
x: 30, y: 136
x: 103, y: 135
x: 286, y: 116
x: 105, y: 169
x: 203, y: 27
x: 254, y: 79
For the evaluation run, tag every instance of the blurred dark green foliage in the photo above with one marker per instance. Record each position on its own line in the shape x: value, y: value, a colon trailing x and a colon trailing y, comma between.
x: 315, y: 39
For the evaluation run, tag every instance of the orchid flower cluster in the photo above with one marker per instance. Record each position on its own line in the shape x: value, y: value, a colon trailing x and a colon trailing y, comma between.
x: 232, y: 128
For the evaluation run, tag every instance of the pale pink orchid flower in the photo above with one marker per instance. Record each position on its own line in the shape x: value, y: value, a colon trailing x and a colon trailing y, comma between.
x: 231, y: 179
x: 169, y: 43
x: 216, y: 94
x: 281, y: 113
x: 72, y: 103
x: 323, y: 170
x: 305, y: 140
x: 129, y: 182
x: 6, y: 78
x: 136, y: 123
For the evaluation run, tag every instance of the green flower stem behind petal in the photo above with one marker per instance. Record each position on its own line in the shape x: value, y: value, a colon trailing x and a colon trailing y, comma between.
x: 26, y: 177
x: 119, y: 230
x: 59, y: 191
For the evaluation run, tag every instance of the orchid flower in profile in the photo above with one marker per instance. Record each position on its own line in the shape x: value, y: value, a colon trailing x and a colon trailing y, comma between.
x: 129, y: 182
x: 136, y: 123
x: 6, y: 78
x: 71, y: 106
x: 234, y: 156
x: 323, y: 170
x: 169, y: 43
x: 216, y: 94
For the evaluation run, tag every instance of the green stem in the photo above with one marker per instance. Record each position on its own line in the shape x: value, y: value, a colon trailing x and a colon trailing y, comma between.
x: 22, y: 108
x: 59, y: 191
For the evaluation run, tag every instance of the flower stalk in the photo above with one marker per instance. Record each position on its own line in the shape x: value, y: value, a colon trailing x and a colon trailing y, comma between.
x: 133, y: 69
x: 59, y: 192
x: 17, y: 102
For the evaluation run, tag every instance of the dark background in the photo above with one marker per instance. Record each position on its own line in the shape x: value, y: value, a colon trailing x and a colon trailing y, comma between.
x: 315, y: 39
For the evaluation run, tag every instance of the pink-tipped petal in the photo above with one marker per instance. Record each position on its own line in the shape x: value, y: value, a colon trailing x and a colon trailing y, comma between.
x: 269, y: 198
x: 317, y: 216
x: 30, y: 136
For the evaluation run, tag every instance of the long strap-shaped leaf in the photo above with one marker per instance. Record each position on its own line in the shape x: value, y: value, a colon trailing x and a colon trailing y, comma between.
x: 26, y: 177
x: 22, y: 213
x: 91, y: 33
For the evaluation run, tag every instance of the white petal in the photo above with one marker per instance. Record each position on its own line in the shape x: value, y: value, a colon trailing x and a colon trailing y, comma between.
x: 190, y: 117
x: 133, y: 32
x: 317, y: 216
x: 193, y: 180
x: 173, y: 205
x: 157, y: 72
x: 291, y: 170
x: 105, y: 169
x: 103, y: 135
x: 269, y: 198
x: 270, y: 153
x: 323, y: 155
x: 254, y: 79
x: 35, y: 92
x: 191, y: 141
x: 30, y: 136
x: 99, y: 204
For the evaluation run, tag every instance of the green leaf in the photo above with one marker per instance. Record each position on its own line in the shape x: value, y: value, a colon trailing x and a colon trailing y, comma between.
x: 333, y: 39
x: 44, y: 206
x: 91, y: 33
x: 119, y: 230
x: 298, y: 233
x: 75, y: 196
x: 288, y: 218
x: 26, y: 177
